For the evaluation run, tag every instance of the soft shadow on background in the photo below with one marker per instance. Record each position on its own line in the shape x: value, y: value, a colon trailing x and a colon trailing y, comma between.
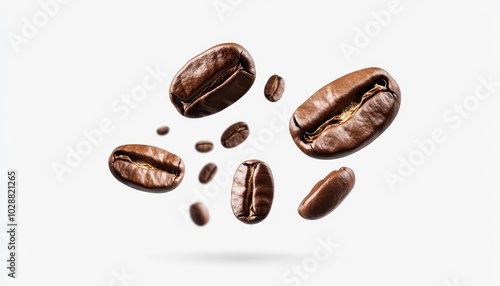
x: 224, y: 257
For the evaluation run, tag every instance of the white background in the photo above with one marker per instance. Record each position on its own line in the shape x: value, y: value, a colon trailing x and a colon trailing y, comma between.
x: 438, y: 226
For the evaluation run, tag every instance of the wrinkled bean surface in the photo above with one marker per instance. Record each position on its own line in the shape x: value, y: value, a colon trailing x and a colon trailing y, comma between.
x: 212, y: 81
x: 146, y: 168
x: 252, y: 191
x: 346, y: 115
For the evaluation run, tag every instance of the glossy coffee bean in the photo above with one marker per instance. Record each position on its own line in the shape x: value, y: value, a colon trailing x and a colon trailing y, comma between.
x: 204, y: 146
x: 207, y: 173
x: 235, y: 134
x: 163, y: 130
x: 252, y: 191
x: 146, y: 168
x: 346, y: 115
x: 327, y: 194
x: 274, y: 88
x: 199, y: 213
x: 212, y: 81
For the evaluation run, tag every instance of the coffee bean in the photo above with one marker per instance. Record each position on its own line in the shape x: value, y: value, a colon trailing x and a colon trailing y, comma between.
x: 235, y: 134
x: 212, y: 81
x: 327, y: 194
x: 346, y: 115
x: 163, y: 130
x: 207, y: 173
x: 199, y: 213
x: 146, y: 168
x: 274, y: 88
x: 252, y: 191
x: 204, y: 146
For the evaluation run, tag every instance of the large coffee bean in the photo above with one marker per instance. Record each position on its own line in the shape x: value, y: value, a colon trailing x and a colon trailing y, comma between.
x: 146, y: 168
x: 327, y: 194
x: 212, y: 81
x: 346, y: 114
x: 252, y: 191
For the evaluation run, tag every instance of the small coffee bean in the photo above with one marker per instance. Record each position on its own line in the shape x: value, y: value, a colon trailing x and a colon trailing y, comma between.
x: 212, y: 81
x: 163, y: 130
x: 327, y: 194
x: 252, y: 191
x: 199, y: 213
x: 274, y: 88
x: 146, y: 168
x: 234, y: 135
x: 204, y: 146
x: 207, y: 173
x: 346, y: 115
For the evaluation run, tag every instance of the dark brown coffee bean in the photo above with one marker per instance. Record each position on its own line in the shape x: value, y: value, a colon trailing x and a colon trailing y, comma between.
x: 204, y: 146
x: 163, y: 130
x: 207, y: 173
x: 327, y: 194
x: 274, y: 88
x: 199, y: 213
x: 146, y: 168
x: 252, y: 191
x: 346, y: 115
x: 212, y: 81
x: 235, y: 134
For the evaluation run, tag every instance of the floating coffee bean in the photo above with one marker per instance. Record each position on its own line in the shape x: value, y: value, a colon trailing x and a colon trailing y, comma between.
x: 199, y: 213
x: 212, y: 81
x: 146, y: 168
x: 235, y: 134
x: 163, y: 130
x: 327, y: 194
x: 274, y: 88
x: 204, y: 146
x: 252, y: 191
x: 207, y: 173
x: 346, y: 115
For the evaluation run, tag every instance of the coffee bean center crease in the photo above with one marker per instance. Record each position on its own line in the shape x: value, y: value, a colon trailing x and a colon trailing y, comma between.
x: 250, y: 193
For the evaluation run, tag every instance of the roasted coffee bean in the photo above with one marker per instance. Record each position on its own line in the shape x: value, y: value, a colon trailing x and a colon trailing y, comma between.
x: 346, y: 114
x: 163, y: 130
x: 204, y: 146
x: 207, y: 173
x: 235, y: 134
x: 274, y: 88
x: 212, y: 81
x: 252, y: 191
x: 146, y: 168
x: 327, y: 194
x: 199, y: 213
